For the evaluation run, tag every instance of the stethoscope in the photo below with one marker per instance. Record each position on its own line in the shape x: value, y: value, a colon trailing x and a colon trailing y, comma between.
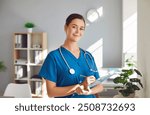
x: 71, y: 70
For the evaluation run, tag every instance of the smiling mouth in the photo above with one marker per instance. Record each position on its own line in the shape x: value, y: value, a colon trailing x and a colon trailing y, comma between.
x: 76, y: 35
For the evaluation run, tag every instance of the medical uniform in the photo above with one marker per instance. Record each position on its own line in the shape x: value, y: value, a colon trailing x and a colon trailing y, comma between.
x: 55, y: 69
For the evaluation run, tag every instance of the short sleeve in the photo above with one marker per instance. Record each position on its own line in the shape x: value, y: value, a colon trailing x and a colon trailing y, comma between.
x: 48, y: 70
x: 97, y: 75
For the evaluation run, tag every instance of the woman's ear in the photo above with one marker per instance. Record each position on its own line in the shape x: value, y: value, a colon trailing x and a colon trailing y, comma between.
x: 65, y: 27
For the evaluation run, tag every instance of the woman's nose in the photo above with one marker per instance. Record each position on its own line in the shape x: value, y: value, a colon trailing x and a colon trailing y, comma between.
x: 77, y: 30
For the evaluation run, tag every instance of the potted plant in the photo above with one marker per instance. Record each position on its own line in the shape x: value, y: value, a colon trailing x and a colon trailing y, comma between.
x: 29, y: 26
x: 127, y: 80
x: 2, y: 66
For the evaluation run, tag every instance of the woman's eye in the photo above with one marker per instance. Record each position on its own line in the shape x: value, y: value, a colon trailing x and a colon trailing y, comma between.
x: 73, y: 26
x: 81, y: 28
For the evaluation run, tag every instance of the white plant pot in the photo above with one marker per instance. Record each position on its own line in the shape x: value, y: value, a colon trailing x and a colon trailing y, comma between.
x: 121, y: 96
x: 30, y: 30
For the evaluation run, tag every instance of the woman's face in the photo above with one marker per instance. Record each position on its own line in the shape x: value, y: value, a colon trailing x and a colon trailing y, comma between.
x: 75, y: 30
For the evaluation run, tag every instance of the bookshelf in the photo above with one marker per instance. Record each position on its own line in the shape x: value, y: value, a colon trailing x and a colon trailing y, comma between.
x: 30, y: 50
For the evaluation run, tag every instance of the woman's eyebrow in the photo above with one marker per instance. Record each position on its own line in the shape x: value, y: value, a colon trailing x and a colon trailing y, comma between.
x: 77, y: 25
x: 74, y: 24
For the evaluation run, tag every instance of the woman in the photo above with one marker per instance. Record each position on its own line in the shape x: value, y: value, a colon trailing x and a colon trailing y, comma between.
x: 67, y: 70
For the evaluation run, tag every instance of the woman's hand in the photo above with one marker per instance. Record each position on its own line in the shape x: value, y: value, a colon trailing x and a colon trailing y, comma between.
x: 84, y: 89
x: 87, y: 81
x: 81, y: 91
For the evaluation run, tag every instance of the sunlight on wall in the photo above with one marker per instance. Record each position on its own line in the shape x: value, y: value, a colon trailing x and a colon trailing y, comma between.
x: 96, y: 50
x: 130, y: 37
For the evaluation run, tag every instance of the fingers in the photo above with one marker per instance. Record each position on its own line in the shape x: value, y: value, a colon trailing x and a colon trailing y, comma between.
x: 87, y: 81
x: 80, y: 91
x: 90, y: 79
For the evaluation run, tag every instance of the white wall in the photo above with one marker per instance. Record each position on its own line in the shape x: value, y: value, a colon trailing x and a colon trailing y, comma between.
x: 144, y: 43
x: 129, y: 29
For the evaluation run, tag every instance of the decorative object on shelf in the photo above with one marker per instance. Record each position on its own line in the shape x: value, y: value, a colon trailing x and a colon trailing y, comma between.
x: 29, y: 26
x: 2, y: 66
x: 36, y: 46
x: 127, y: 79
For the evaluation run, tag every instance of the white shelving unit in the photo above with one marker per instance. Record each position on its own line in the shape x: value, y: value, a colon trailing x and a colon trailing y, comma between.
x: 30, y: 50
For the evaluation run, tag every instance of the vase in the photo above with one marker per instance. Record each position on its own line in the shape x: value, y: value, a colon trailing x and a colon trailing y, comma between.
x: 29, y: 30
x: 132, y: 95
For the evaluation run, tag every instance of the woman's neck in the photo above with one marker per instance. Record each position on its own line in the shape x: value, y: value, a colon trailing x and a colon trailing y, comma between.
x: 73, y: 48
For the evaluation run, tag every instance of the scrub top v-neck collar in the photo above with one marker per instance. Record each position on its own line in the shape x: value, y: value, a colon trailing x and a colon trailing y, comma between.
x: 71, y: 54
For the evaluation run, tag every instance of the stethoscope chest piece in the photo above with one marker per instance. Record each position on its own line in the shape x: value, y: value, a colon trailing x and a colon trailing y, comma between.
x: 71, y: 71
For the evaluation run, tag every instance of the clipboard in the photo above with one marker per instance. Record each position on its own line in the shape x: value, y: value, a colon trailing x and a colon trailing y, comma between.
x: 101, y: 79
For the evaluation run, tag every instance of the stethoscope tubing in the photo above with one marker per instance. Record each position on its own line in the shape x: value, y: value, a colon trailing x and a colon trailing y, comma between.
x: 87, y: 61
x: 71, y: 70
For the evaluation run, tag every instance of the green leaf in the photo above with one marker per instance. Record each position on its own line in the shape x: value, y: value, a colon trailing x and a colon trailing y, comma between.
x: 29, y: 25
x: 138, y: 72
x: 135, y: 87
x: 141, y: 84
x: 2, y: 66
x: 127, y: 72
x: 120, y: 80
x: 135, y: 80
x: 125, y: 93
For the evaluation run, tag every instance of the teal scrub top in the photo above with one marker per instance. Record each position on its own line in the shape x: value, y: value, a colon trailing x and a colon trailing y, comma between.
x: 55, y: 69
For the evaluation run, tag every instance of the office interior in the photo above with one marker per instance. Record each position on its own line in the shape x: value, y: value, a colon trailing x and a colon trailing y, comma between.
x: 119, y: 29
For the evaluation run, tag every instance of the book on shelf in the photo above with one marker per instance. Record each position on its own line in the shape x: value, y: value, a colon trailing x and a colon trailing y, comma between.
x: 38, y: 88
x: 21, y: 41
x: 19, y: 72
x: 37, y: 57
